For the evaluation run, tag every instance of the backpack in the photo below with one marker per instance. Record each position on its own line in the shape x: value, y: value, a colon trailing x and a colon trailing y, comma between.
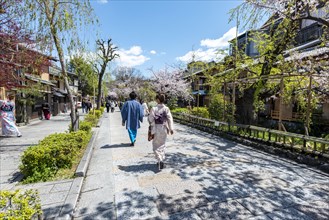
x: 160, y: 118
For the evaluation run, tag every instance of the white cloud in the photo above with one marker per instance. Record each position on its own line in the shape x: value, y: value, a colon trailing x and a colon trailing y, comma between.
x: 221, y: 42
x: 134, y: 50
x: 102, y: 1
x: 209, y: 48
x: 201, y: 55
x: 153, y: 52
x: 131, y: 57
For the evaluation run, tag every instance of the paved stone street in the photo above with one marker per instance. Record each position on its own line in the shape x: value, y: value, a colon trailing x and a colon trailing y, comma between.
x: 206, y: 178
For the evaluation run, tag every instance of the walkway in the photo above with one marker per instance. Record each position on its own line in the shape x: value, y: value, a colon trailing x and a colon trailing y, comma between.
x: 206, y: 178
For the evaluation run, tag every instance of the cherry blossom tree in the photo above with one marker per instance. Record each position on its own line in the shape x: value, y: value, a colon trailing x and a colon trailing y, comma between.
x: 254, y: 11
x: 171, y: 83
x: 127, y: 79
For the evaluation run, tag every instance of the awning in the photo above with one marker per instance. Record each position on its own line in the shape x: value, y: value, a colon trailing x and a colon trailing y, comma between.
x: 62, y: 91
x: 58, y: 94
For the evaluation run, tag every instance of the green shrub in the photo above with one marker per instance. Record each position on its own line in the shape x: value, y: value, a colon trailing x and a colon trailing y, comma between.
x: 172, y: 103
x: 92, y: 119
x: 200, y: 112
x: 97, y: 113
x: 102, y: 109
x: 180, y: 110
x: 216, y: 107
x: 85, y: 126
x: 20, y: 205
x: 55, y: 152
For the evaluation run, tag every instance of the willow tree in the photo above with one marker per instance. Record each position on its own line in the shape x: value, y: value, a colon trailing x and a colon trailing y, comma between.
x: 295, y: 10
x: 58, y: 23
x: 273, y: 38
x: 106, y: 52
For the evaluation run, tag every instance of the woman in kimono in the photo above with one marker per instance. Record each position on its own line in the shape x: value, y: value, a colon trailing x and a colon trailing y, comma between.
x: 46, y: 110
x: 161, y: 123
x: 8, y: 119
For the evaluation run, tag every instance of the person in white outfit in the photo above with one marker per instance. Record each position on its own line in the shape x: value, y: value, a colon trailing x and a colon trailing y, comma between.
x: 161, y: 122
x: 146, y: 109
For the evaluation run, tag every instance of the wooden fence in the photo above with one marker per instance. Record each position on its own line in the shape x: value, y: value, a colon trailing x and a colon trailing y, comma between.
x: 298, y: 142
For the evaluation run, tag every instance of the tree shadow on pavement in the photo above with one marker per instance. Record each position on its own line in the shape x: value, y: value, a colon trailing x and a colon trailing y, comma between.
x: 116, y: 145
x: 223, y: 180
x: 139, y: 168
x: 103, y: 211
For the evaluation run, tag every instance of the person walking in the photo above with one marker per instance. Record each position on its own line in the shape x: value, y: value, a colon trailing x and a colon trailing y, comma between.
x: 46, y: 110
x: 146, y: 109
x: 83, y: 106
x: 112, y: 106
x: 88, y: 106
x: 161, y: 124
x: 132, y: 115
x: 108, y: 105
x: 8, y: 120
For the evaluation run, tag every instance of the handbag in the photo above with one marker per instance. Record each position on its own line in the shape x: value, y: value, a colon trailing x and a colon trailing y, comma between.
x: 150, y: 136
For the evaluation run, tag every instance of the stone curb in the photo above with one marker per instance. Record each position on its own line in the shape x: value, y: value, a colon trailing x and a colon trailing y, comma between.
x: 84, y: 162
x: 71, y: 200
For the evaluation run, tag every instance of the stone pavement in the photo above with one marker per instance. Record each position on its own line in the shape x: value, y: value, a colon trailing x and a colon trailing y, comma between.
x: 206, y: 177
x: 57, y: 197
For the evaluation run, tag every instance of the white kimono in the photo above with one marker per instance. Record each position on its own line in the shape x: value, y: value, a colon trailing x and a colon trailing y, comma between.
x: 160, y: 130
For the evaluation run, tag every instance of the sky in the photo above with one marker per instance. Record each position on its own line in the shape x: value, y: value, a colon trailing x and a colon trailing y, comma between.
x: 164, y: 33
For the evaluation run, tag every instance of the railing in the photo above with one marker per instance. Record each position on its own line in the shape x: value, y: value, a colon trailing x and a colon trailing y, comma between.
x: 295, y: 116
x: 309, y: 34
x: 297, y: 142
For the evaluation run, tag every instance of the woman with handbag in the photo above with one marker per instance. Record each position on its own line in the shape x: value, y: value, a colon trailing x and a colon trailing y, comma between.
x: 161, y: 124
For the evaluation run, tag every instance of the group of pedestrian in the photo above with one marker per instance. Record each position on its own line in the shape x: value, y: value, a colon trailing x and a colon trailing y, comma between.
x: 7, y: 115
x: 160, y: 123
x: 86, y: 106
x: 110, y: 104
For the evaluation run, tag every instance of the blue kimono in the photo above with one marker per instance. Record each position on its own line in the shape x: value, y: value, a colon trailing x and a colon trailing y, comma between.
x: 132, y: 114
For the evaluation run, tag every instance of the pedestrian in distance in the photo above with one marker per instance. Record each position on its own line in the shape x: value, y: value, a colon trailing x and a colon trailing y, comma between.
x: 8, y: 120
x: 112, y: 103
x: 46, y: 110
x: 83, y: 106
x: 146, y: 109
x: 132, y: 114
x: 161, y: 124
x: 89, y: 106
x: 107, y: 106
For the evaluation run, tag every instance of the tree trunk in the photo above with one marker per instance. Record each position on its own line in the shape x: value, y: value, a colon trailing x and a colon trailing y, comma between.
x: 100, y: 78
x: 99, y: 94
x: 53, y: 30
x: 74, y: 119
x: 245, y: 108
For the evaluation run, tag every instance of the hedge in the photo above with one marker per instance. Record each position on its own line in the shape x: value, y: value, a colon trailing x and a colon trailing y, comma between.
x: 55, y: 152
x: 200, y: 112
x: 20, y: 205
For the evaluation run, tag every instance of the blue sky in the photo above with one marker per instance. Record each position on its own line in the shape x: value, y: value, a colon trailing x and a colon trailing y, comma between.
x: 164, y: 33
